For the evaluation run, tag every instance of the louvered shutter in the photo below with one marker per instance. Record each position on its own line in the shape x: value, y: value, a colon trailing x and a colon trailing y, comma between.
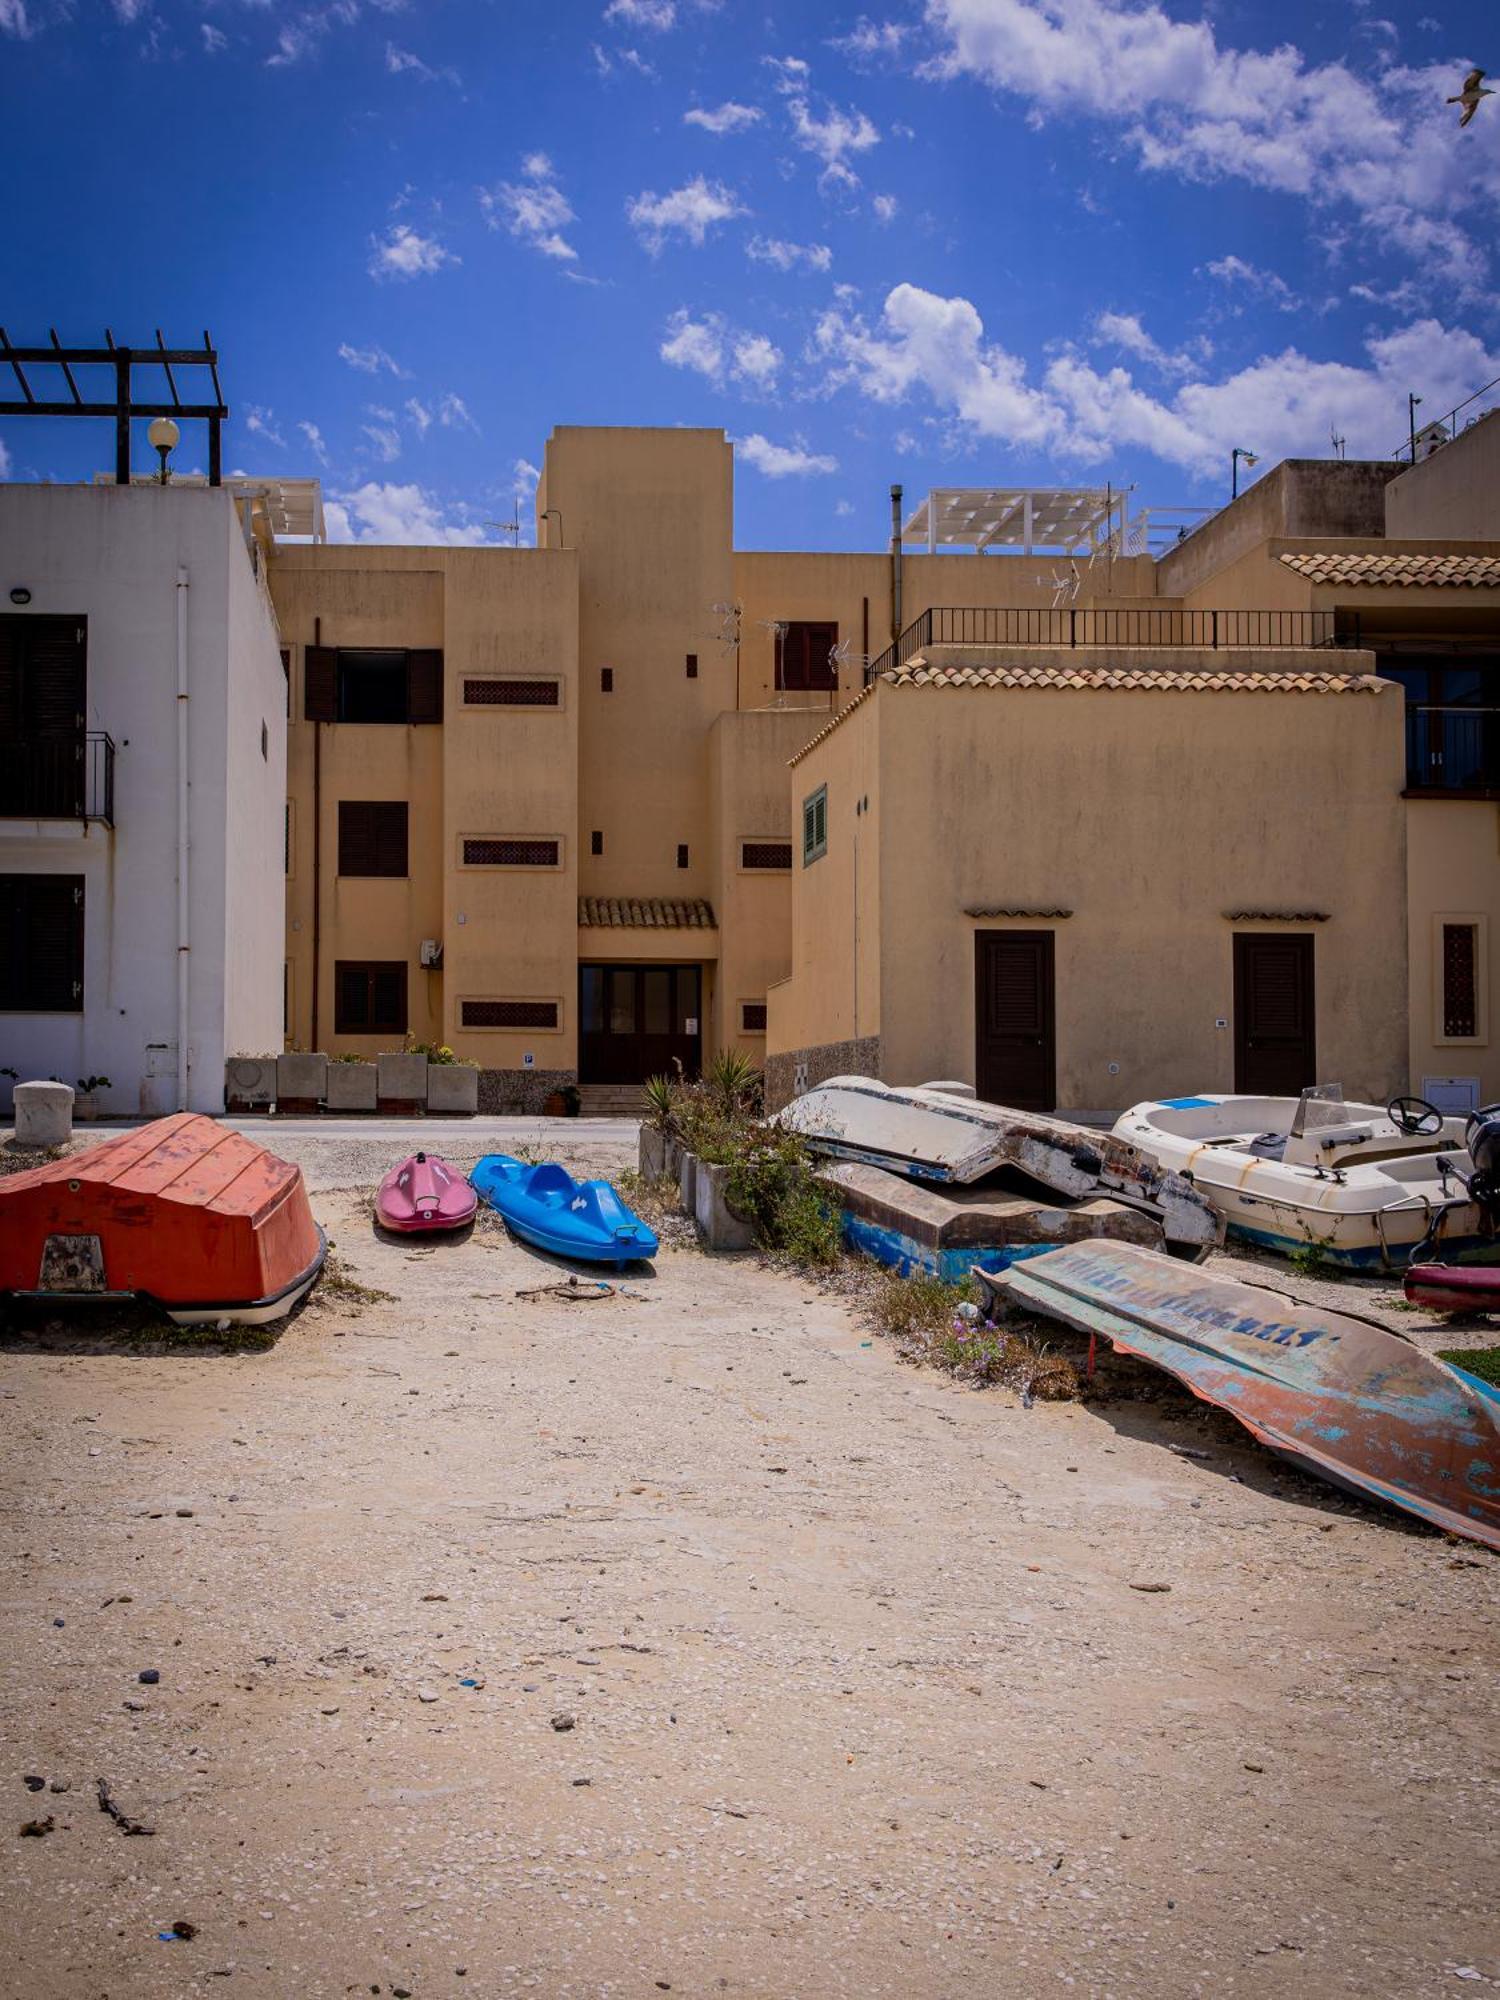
x: 424, y: 685
x: 320, y: 683
x: 10, y: 680
x: 41, y: 932
x: 356, y: 838
x: 390, y: 837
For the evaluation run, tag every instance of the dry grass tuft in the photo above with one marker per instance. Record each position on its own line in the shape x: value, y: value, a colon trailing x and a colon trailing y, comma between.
x: 922, y: 1316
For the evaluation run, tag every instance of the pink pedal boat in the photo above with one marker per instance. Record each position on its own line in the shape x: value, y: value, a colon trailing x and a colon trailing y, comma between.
x: 424, y: 1196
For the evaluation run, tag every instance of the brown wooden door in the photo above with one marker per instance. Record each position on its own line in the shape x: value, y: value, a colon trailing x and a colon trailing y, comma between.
x: 637, y: 1021
x: 1275, y: 1043
x: 1015, y: 1057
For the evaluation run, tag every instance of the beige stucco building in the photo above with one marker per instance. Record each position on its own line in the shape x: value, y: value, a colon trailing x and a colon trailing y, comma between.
x: 1232, y: 801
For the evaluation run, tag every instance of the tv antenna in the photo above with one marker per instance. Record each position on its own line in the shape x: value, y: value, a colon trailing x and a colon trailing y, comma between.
x: 511, y: 528
x: 1336, y: 441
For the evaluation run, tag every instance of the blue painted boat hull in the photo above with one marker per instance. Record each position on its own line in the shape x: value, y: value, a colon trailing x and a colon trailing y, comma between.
x: 902, y: 1253
x: 585, y: 1221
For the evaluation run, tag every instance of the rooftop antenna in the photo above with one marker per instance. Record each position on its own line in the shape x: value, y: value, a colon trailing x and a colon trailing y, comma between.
x: 1337, y: 442
x: 511, y: 528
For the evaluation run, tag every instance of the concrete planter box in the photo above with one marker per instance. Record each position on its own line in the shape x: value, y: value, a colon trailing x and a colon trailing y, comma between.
x: 403, y: 1079
x: 350, y: 1087
x: 687, y: 1182
x: 718, y: 1225
x: 652, y: 1153
x: 300, y: 1077
x: 453, y: 1088
x: 671, y: 1164
x: 44, y: 1114
x: 250, y: 1082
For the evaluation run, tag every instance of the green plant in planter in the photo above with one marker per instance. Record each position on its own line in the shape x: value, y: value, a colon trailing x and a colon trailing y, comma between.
x: 736, y: 1084
x: 348, y: 1059
x: 660, y: 1093
x: 87, y: 1085
x: 771, y: 1185
x: 438, y: 1053
x: 572, y: 1100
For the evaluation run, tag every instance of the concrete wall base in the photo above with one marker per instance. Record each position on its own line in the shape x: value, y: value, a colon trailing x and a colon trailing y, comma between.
x: 350, y: 1087
x: 519, y: 1091
x: 652, y: 1153
x: 787, y: 1076
x: 718, y: 1226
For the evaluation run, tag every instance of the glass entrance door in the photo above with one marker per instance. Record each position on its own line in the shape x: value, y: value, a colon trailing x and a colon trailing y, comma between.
x: 636, y: 1021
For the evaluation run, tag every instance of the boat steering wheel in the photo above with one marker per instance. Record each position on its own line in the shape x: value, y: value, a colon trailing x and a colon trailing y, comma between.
x: 1415, y: 1116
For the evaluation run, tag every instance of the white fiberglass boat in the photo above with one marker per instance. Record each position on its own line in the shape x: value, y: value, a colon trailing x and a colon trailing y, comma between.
x: 1361, y: 1184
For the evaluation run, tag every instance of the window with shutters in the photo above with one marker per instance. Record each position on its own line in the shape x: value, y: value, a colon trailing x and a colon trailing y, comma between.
x: 815, y: 825
x: 1460, y: 953
x: 758, y: 854
x: 369, y: 996
x: 41, y: 944
x: 805, y: 654
x: 753, y: 1017
x: 369, y: 684
x: 43, y: 702
x: 372, y: 837
x: 500, y: 851
x: 508, y: 1013
x: 510, y: 691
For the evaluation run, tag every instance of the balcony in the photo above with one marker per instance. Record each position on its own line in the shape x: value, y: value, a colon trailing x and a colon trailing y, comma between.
x: 1453, y: 750
x: 1071, y: 626
x: 59, y: 778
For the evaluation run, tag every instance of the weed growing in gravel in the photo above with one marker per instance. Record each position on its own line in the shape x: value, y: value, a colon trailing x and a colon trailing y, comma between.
x: 940, y: 1325
x: 1481, y: 1361
x: 338, y: 1284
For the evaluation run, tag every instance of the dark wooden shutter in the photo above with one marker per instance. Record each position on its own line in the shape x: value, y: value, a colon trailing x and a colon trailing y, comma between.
x: 806, y: 655
x: 10, y: 680
x: 41, y: 943
x: 1274, y: 1013
x: 320, y: 683
x: 1014, y: 1019
x: 372, y: 836
x: 424, y: 685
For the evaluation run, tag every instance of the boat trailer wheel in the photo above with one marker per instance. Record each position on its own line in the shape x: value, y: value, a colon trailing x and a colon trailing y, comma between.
x: 1415, y: 1116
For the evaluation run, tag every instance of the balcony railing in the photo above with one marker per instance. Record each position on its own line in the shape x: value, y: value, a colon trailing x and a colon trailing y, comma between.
x: 1026, y: 625
x: 59, y: 778
x: 1452, y: 749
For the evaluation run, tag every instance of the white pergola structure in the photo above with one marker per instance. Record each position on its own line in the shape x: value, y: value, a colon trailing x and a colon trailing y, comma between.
x: 1063, y: 520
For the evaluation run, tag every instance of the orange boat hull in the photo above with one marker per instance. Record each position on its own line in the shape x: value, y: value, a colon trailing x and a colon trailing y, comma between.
x: 184, y: 1212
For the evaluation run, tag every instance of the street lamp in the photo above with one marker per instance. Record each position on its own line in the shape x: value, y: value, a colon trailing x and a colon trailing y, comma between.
x: 547, y: 513
x: 162, y: 434
x: 1413, y: 403
x: 1235, y: 456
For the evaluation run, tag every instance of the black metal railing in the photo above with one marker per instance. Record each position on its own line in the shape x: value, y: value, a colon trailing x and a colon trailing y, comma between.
x: 1036, y: 625
x: 59, y: 778
x: 1452, y: 749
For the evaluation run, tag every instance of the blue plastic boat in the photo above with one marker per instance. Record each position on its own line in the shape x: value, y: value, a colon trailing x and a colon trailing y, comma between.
x: 585, y: 1220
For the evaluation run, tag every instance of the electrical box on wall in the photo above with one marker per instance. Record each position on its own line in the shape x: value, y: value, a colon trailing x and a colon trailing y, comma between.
x: 431, y: 954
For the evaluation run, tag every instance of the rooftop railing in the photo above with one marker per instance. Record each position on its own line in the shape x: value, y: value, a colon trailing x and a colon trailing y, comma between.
x: 1071, y: 626
x: 59, y: 778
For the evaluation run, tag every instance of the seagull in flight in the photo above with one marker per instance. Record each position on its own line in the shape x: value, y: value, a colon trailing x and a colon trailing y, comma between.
x: 1474, y: 88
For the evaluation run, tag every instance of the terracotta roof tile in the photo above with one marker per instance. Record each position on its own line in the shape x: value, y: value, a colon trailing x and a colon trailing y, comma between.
x: 1393, y: 569
x: 645, y: 913
x: 1132, y: 680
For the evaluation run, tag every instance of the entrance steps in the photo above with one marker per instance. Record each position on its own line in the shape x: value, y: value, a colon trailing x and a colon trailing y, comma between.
x: 610, y: 1100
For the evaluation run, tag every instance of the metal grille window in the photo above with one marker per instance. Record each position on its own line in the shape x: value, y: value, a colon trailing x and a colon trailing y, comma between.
x: 753, y: 1017
x: 41, y: 944
x: 766, y: 854
x: 815, y: 825
x: 369, y: 996
x: 512, y: 693
x: 1460, y: 982
x: 372, y: 837
x: 493, y: 853
x: 507, y: 1013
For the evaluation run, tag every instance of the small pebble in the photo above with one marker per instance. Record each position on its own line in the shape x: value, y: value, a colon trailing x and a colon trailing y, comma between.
x: 184, y: 1513
x: 426, y: 1694
x: 34, y: 1784
x: 148, y: 1676
x: 562, y: 1722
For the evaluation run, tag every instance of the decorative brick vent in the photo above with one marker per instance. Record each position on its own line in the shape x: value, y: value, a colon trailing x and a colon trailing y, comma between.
x: 508, y: 1013
x: 766, y: 854
x: 512, y: 694
x: 510, y: 853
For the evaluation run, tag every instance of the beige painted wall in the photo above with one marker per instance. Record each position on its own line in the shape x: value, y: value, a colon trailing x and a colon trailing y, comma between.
x: 1148, y: 815
x: 1453, y: 871
x: 1455, y: 493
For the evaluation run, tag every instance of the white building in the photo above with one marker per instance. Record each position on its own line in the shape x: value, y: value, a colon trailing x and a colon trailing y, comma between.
x: 142, y: 792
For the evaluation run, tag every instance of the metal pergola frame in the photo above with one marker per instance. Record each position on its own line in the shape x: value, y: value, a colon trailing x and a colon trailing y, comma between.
x: 1075, y: 520
x: 123, y: 406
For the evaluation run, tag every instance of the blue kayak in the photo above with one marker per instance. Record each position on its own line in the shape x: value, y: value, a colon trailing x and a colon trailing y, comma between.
x: 585, y: 1220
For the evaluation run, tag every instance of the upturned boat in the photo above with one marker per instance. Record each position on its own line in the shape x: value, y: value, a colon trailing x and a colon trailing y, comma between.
x: 583, y: 1220
x: 184, y: 1213
x: 941, y: 1132
x: 424, y: 1196
x: 1365, y: 1185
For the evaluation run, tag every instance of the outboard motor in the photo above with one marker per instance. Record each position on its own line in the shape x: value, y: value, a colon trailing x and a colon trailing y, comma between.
x: 1482, y: 1137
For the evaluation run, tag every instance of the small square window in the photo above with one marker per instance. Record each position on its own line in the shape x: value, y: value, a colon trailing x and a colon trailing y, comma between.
x: 596, y: 843
x: 815, y: 825
x: 753, y: 1017
x: 606, y: 680
x: 682, y: 855
x: 692, y: 666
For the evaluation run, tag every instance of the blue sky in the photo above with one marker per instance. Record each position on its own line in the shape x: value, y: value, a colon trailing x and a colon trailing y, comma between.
x: 976, y: 241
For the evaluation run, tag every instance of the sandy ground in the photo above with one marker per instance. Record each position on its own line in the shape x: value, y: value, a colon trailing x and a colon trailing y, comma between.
x: 865, y: 1695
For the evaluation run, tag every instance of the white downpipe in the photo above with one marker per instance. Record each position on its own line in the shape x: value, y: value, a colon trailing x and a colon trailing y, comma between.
x: 184, y: 942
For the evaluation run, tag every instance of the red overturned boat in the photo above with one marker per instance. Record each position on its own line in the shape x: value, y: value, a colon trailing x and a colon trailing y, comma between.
x: 183, y: 1213
x: 1454, y: 1288
x: 424, y: 1196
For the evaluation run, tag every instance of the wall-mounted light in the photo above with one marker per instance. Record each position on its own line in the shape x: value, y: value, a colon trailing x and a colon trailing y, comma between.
x: 20, y: 595
x: 162, y: 435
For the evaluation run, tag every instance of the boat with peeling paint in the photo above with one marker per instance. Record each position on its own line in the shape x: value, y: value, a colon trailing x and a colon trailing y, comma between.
x: 1340, y: 1397
x: 941, y: 1132
x: 1364, y: 1184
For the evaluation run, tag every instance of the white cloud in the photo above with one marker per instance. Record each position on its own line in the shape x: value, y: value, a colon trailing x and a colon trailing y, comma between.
x: 691, y: 210
x: 453, y: 414
x: 658, y: 15
x: 214, y: 38
x: 404, y: 253
x: 401, y: 62
x: 843, y: 509
x: 128, y: 12
x: 369, y: 360
x: 832, y: 138
x: 791, y: 73
x: 869, y: 40
x: 730, y: 117
x: 695, y: 344
x: 1270, y: 289
x: 385, y: 439
x: 756, y: 360
x: 534, y: 209
x: 1381, y: 145
x: 14, y: 20
x: 4, y: 462
x: 1124, y: 330
x: 262, y: 423
x: 787, y: 256
x: 1280, y: 405
x: 315, y: 440
x: 420, y: 416
x: 782, y: 461
x: 386, y: 513
x: 885, y: 207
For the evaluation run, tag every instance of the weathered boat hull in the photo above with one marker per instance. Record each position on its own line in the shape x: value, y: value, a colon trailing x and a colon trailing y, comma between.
x: 1454, y: 1288
x: 934, y: 1134
x: 1341, y: 1398
x: 582, y: 1220
x: 909, y: 1227
x: 424, y: 1196
x: 183, y: 1213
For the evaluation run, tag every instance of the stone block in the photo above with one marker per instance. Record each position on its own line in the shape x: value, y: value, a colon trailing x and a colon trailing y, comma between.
x: 249, y: 1083
x: 453, y: 1088
x: 403, y: 1079
x: 718, y: 1225
x: 350, y: 1087
x: 301, y: 1076
x: 44, y: 1114
x: 652, y: 1153
x: 687, y: 1182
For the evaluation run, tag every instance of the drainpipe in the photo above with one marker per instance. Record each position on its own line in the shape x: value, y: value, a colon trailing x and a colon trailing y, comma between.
x: 895, y: 564
x: 184, y: 942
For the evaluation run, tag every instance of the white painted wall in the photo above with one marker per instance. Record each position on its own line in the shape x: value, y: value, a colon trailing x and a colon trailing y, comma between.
x: 111, y: 554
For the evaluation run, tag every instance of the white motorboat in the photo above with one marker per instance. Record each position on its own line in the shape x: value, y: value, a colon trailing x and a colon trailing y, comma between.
x: 942, y: 1132
x: 1362, y: 1184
